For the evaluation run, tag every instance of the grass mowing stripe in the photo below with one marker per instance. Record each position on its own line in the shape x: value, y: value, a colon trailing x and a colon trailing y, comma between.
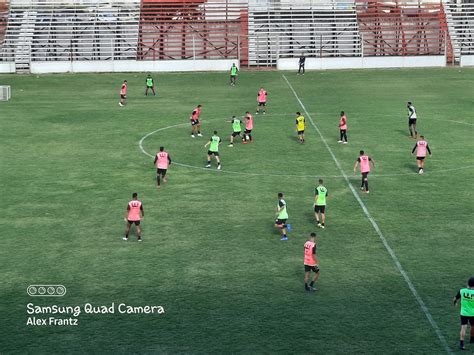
x: 412, y: 288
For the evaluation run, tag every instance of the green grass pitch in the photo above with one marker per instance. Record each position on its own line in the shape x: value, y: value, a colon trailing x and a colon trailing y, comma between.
x: 70, y: 160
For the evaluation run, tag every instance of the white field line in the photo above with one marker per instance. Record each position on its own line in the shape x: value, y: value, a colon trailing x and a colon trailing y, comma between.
x: 394, y: 257
x: 142, y: 149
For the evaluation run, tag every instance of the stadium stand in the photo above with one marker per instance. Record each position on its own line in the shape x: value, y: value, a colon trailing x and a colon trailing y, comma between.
x: 3, y: 19
x: 460, y: 19
x: 191, y: 29
x: 402, y: 28
x: 52, y: 31
x: 319, y: 30
x: 256, y: 33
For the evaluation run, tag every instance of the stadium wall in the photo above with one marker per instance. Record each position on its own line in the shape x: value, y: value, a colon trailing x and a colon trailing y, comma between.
x: 467, y: 61
x: 7, y: 67
x: 364, y: 62
x: 104, y: 66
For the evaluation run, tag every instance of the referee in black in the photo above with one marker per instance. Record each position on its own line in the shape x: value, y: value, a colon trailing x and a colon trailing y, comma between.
x: 301, y: 67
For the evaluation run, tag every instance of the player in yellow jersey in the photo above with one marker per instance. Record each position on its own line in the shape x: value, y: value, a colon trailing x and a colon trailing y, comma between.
x: 300, y: 126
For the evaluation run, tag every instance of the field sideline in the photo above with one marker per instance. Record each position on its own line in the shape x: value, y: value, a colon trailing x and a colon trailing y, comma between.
x: 71, y: 157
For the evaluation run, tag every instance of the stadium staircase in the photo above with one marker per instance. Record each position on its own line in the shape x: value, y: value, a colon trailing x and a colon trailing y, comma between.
x: 193, y: 29
x: 24, y: 40
x: 403, y: 28
x: 18, y: 36
x: 460, y: 18
x: 318, y: 30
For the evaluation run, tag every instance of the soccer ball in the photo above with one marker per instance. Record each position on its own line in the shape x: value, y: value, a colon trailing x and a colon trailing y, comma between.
x: 247, y: 137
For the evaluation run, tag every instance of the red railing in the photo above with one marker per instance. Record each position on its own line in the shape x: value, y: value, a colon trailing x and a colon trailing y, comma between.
x: 194, y: 29
x: 4, y: 5
x: 400, y: 28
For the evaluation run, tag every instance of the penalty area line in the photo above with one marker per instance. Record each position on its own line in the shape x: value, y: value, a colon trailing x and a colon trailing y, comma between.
x: 372, y: 221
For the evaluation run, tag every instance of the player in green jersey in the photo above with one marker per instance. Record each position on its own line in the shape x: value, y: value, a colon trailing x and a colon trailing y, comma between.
x: 234, y: 71
x: 236, y: 130
x: 282, y: 217
x: 466, y: 298
x: 150, y: 85
x: 320, y: 195
x: 214, y: 143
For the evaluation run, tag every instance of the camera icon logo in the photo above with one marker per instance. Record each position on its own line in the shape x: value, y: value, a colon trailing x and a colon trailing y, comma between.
x: 46, y: 290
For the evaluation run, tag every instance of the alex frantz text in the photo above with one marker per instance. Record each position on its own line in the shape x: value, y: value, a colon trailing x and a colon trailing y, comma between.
x: 56, y: 315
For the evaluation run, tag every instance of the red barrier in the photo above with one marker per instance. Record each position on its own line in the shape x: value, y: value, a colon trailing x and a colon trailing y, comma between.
x: 400, y: 28
x: 4, y: 5
x: 189, y: 29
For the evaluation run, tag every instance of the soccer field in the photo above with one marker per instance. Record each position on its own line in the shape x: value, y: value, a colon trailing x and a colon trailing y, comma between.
x: 211, y: 257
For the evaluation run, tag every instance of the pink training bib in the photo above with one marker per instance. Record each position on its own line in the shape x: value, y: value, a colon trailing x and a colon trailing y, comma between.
x: 364, y: 164
x: 162, y: 160
x: 134, y: 211
x: 421, y: 148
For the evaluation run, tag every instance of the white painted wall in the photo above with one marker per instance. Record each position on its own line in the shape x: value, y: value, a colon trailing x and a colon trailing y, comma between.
x: 102, y: 66
x: 467, y: 60
x: 7, y: 67
x: 224, y: 65
x: 361, y: 63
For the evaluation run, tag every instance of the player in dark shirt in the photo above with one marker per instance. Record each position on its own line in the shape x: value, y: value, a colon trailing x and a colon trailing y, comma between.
x: 465, y: 297
x: 301, y: 67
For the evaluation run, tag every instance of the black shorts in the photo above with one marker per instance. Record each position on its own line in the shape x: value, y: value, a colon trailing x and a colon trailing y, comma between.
x: 216, y: 154
x: 319, y: 209
x: 280, y: 221
x: 467, y: 319
x: 262, y: 103
x: 161, y: 172
x: 150, y: 87
x: 365, y: 175
x: 194, y: 122
x: 137, y: 223
x: 123, y: 96
x: 308, y: 268
x: 411, y: 121
x: 248, y: 131
x: 301, y: 132
x: 420, y: 158
x: 235, y: 134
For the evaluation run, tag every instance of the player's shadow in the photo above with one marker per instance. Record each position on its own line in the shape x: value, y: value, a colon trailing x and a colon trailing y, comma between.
x: 410, y: 167
x: 293, y: 138
x: 402, y: 132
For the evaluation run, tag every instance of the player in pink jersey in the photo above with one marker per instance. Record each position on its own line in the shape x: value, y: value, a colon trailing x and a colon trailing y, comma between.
x: 343, y: 128
x: 421, y: 148
x: 162, y: 162
x: 364, y: 161
x: 262, y: 100
x: 310, y: 262
x: 133, y: 215
x: 248, y: 128
x: 195, y: 123
x: 123, y: 93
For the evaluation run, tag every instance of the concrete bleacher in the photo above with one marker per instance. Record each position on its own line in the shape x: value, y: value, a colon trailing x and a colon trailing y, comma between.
x: 460, y: 16
x: 52, y: 31
x: 320, y: 30
x: 255, y: 32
